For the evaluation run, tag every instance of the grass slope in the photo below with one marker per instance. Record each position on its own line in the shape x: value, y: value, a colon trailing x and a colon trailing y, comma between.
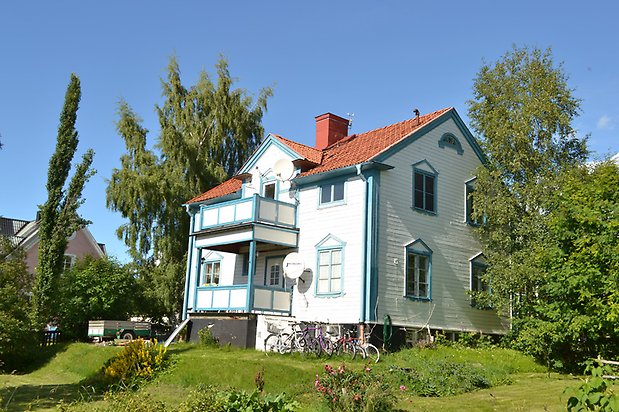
x: 529, y: 387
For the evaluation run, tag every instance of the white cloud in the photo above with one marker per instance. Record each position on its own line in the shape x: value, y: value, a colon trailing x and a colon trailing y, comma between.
x: 605, y: 122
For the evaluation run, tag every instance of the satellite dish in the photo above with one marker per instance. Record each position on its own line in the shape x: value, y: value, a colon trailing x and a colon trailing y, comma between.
x: 283, y: 169
x: 294, y: 266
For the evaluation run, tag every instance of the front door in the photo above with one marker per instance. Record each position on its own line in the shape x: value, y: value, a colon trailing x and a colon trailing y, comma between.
x: 274, y: 274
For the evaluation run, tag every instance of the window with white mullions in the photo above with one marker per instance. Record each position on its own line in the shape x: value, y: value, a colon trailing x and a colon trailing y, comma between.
x: 418, y: 282
x: 209, y: 272
x: 329, y: 271
x: 417, y: 279
x: 331, y: 193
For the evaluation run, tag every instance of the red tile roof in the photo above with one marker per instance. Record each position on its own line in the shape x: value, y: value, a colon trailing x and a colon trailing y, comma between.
x: 351, y: 150
x: 310, y: 153
x: 359, y: 148
x: 229, y: 186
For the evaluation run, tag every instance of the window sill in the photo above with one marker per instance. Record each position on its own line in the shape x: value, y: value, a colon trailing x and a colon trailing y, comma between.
x: 329, y: 295
x: 331, y: 204
x: 417, y: 298
x: 423, y: 211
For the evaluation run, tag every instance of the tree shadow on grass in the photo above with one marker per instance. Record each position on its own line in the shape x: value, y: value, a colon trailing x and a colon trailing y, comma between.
x: 32, y: 397
x: 28, y: 362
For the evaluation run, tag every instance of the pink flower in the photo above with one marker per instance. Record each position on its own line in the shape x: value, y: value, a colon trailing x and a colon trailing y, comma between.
x: 402, y: 388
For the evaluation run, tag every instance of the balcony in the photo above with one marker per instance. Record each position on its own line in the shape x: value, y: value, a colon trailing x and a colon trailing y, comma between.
x: 255, y: 209
x: 235, y: 298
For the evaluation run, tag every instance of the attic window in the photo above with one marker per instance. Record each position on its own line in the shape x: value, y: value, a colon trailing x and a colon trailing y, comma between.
x: 450, y: 141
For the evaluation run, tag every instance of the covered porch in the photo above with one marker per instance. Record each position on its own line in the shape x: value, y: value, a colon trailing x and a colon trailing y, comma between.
x: 238, y: 266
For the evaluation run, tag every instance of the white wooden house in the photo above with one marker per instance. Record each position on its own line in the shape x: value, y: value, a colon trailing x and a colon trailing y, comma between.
x: 379, y: 218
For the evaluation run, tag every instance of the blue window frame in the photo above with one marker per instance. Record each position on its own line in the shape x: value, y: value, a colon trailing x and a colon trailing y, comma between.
x: 424, y: 191
x: 332, y: 193
x: 424, y: 187
x: 329, y: 271
x: 418, y: 274
x: 469, y: 188
x: 329, y: 267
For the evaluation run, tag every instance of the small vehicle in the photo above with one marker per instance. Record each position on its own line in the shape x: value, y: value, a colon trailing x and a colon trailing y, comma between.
x: 100, y: 330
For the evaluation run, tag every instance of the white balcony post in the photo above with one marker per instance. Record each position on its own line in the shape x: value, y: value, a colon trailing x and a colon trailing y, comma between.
x: 250, y: 275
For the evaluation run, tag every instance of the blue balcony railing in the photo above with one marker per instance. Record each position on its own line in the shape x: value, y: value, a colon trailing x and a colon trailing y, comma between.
x: 251, y: 209
x: 234, y: 298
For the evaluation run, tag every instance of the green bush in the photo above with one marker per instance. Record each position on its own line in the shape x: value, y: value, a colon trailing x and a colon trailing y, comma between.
x: 595, y: 393
x: 139, y: 360
x: 209, y: 399
x: 94, y: 289
x: 207, y: 338
x: 18, y: 341
x: 347, y: 390
x: 442, y: 377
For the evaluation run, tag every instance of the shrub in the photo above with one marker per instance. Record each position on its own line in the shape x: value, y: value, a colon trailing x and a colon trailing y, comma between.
x: 346, y: 390
x: 139, y: 360
x: 207, y: 338
x: 595, y: 393
x: 209, y: 399
x: 442, y: 378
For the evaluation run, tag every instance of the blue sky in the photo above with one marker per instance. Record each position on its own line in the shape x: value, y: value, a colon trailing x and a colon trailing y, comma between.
x: 378, y: 60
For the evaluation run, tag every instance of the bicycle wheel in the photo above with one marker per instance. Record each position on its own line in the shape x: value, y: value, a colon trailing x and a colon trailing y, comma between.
x: 312, y: 347
x: 327, y: 347
x: 285, y: 343
x: 272, y: 343
x: 371, y: 352
x: 347, y: 349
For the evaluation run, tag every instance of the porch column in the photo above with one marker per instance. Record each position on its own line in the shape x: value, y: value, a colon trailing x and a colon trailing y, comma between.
x: 250, y: 275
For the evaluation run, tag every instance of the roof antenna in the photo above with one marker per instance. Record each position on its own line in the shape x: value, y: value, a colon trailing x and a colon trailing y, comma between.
x: 351, y: 117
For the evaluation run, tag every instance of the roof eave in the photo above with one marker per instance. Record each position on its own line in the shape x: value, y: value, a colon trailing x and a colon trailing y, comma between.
x: 342, y: 171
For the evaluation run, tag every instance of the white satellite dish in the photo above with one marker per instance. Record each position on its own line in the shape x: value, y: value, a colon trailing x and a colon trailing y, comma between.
x: 283, y: 169
x: 294, y: 266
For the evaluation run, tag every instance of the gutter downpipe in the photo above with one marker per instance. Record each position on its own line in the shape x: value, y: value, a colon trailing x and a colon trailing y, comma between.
x: 365, y: 239
x: 189, y: 259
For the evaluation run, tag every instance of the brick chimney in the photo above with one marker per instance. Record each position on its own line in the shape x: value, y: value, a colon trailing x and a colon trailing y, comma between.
x: 330, y: 129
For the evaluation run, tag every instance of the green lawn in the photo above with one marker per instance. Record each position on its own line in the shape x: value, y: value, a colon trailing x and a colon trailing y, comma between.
x: 522, y: 384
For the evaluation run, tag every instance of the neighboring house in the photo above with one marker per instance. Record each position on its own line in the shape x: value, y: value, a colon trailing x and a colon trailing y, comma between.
x: 380, y: 219
x: 25, y: 234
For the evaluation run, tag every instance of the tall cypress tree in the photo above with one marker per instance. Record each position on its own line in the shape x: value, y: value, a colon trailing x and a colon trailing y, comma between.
x: 58, y: 215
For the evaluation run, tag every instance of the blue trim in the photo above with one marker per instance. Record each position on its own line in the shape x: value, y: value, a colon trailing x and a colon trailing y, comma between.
x: 372, y: 273
x: 320, y: 248
x: 348, y: 171
x: 450, y: 141
x: 411, y: 249
x: 190, y: 246
x: 266, y: 143
x: 450, y: 114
